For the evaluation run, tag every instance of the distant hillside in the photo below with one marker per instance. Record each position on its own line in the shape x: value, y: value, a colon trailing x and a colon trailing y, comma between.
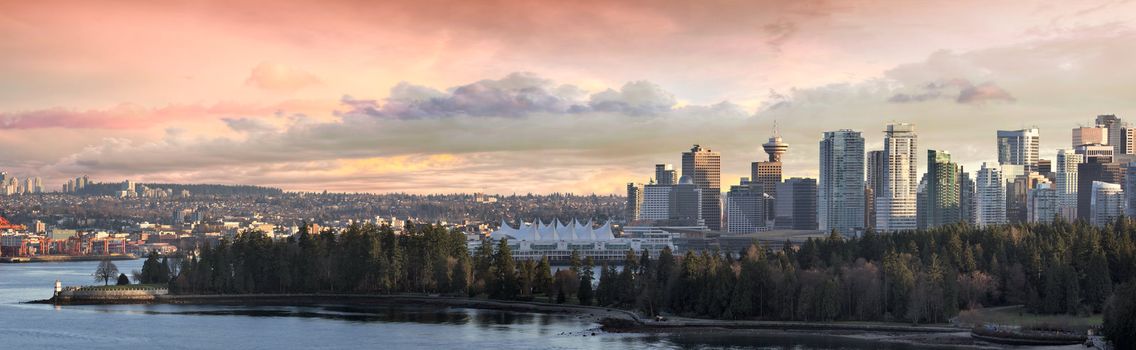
x: 107, y: 189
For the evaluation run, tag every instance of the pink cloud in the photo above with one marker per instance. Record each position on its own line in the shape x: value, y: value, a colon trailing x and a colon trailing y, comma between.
x: 280, y: 77
x: 131, y: 116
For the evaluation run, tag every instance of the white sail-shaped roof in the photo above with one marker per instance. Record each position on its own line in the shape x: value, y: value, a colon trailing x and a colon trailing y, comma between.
x: 604, y: 232
x: 554, y: 231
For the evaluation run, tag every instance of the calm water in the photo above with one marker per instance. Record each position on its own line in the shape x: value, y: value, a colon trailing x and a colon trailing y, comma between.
x: 25, y: 326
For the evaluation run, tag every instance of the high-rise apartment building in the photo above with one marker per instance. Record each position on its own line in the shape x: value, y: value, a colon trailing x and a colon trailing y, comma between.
x: 704, y: 167
x: 634, y: 201
x: 665, y: 174
x: 1065, y: 181
x: 896, y: 202
x: 942, y: 190
x: 656, y: 202
x: 966, y: 197
x: 1043, y: 203
x: 990, y: 196
x: 875, y: 174
x: 840, y: 189
x: 1019, y: 147
x: 1107, y: 203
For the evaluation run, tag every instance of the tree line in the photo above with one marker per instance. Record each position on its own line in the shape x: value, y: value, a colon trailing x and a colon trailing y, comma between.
x: 923, y: 276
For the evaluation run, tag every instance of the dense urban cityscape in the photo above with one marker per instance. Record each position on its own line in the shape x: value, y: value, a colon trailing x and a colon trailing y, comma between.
x: 684, y: 208
x: 616, y: 174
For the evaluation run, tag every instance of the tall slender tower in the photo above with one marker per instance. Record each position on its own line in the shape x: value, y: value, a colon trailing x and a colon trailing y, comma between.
x: 873, y: 186
x: 704, y: 167
x: 768, y: 173
x: 990, y: 196
x: 943, y: 192
x: 840, y: 190
x: 896, y: 202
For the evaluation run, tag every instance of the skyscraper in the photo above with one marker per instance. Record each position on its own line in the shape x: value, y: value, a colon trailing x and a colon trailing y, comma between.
x: 1115, y: 132
x: 704, y: 167
x: 634, y: 201
x: 990, y: 196
x: 768, y: 173
x: 796, y: 204
x: 1065, y: 176
x: 686, y: 203
x: 840, y: 190
x: 896, y: 201
x: 876, y: 162
x: 1019, y: 147
x: 745, y: 208
x: 942, y: 189
x: 665, y: 174
x: 966, y: 197
x: 1107, y: 203
x: 1089, y: 136
x: 1094, y: 169
x: 656, y: 202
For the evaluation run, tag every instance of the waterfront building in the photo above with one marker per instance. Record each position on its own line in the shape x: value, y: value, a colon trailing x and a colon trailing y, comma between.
x: 704, y: 167
x: 840, y: 189
x: 1106, y: 203
x: 896, y: 201
x: 531, y: 241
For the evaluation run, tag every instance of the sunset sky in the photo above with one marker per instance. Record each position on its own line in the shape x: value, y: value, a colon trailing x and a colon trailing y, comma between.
x: 532, y: 96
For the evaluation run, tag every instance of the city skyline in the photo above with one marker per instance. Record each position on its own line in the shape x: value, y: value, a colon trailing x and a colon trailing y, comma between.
x: 312, y: 97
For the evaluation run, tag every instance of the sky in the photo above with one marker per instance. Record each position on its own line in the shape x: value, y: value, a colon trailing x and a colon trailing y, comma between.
x: 535, y: 96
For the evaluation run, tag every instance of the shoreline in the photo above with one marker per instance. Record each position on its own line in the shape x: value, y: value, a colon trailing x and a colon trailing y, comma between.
x: 64, y: 258
x: 611, y: 320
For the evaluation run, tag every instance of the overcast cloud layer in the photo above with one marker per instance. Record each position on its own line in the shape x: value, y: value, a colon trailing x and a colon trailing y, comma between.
x: 557, y: 99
